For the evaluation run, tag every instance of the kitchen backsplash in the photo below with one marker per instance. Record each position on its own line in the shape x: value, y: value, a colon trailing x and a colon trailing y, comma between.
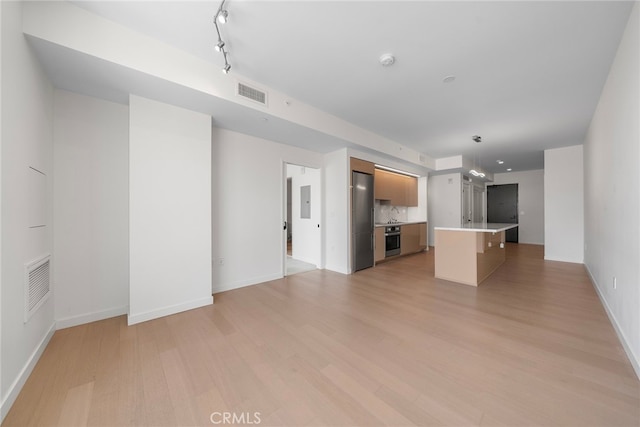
x: 384, y: 213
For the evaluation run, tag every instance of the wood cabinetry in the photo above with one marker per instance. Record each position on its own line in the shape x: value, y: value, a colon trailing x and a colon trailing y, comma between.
x: 400, y: 190
x: 411, y: 190
x: 383, y: 185
x: 468, y: 256
x: 359, y: 165
x: 379, y: 252
x: 413, y: 238
x: 409, y: 239
x: 423, y: 235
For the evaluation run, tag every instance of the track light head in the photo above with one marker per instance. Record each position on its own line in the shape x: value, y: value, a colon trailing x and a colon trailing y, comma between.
x: 223, y: 16
x: 226, y: 68
x: 219, y: 45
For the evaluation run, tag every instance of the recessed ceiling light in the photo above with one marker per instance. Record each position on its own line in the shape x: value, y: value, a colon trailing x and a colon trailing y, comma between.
x: 500, y: 162
x: 387, y: 60
x: 509, y: 170
x: 448, y: 79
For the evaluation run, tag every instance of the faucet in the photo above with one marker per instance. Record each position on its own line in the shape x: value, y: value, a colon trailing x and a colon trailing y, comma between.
x: 397, y: 210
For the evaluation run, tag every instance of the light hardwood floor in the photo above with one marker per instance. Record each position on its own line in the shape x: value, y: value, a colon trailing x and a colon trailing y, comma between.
x: 389, y: 345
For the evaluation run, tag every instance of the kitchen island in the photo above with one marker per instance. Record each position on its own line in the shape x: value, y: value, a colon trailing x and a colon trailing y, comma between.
x: 469, y: 254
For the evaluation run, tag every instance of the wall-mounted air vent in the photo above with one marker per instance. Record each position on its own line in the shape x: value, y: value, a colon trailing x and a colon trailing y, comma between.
x: 252, y: 93
x: 37, y: 285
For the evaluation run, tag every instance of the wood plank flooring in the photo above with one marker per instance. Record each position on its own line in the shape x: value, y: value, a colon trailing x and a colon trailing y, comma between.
x: 390, y: 345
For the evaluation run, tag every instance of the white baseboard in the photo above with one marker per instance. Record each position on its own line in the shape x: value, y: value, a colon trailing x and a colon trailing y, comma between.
x: 307, y: 260
x: 634, y: 359
x: 167, y: 311
x: 16, y: 387
x: 242, y: 283
x: 572, y: 261
x: 71, y: 321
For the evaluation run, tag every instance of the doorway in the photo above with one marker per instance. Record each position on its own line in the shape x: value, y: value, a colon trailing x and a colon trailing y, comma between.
x: 302, y: 219
x: 502, y: 207
x: 472, y: 203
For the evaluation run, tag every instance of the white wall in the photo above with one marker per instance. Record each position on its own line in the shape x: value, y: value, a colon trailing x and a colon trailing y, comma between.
x: 419, y: 213
x: 169, y: 209
x: 564, y: 204
x: 2, y: 408
x: 530, y: 203
x: 248, y: 211
x: 91, y: 208
x: 65, y: 24
x: 27, y: 121
x: 444, y: 202
x: 337, y: 205
x: 306, y: 233
x: 612, y: 192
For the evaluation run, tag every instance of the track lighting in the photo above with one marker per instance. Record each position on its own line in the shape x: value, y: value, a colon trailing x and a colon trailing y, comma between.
x: 222, y: 16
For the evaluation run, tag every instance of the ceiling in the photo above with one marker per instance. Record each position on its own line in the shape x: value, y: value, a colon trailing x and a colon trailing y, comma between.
x: 528, y: 75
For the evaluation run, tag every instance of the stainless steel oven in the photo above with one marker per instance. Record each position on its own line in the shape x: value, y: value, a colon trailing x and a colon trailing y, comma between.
x: 392, y: 240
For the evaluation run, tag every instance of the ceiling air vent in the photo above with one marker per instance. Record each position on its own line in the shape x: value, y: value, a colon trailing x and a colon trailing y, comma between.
x: 252, y: 93
x: 37, y: 285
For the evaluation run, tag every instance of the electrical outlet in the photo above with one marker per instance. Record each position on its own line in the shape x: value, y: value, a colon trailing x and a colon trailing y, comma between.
x: 615, y: 282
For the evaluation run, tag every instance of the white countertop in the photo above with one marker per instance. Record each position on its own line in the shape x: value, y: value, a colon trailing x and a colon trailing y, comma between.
x: 400, y: 223
x: 491, y: 227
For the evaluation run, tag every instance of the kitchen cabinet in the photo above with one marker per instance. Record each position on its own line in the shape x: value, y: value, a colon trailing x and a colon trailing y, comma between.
x: 379, y: 252
x: 398, y: 189
x: 423, y: 235
x: 383, y: 185
x: 411, y: 190
x: 469, y: 255
x: 363, y: 166
x: 410, y: 239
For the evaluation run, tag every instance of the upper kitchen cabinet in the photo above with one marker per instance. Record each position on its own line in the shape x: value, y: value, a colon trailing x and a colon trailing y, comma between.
x: 411, y: 190
x: 398, y: 189
x: 384, y: 185
x: 358, y: 165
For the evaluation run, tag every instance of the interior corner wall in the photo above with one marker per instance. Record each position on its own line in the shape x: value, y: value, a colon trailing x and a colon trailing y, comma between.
x: 564, y: 204
x: 612, y: 192
x: 91, y: 208
x: 530, y: 203
x: 169, y: 209
x: 248, y: 211
x: 27, y: 122
x: 337, y: 208
x: 444, y: 202
x: 306, y: 232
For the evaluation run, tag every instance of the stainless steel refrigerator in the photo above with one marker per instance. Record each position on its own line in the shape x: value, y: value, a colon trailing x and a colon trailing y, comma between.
x: 362, y: 220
